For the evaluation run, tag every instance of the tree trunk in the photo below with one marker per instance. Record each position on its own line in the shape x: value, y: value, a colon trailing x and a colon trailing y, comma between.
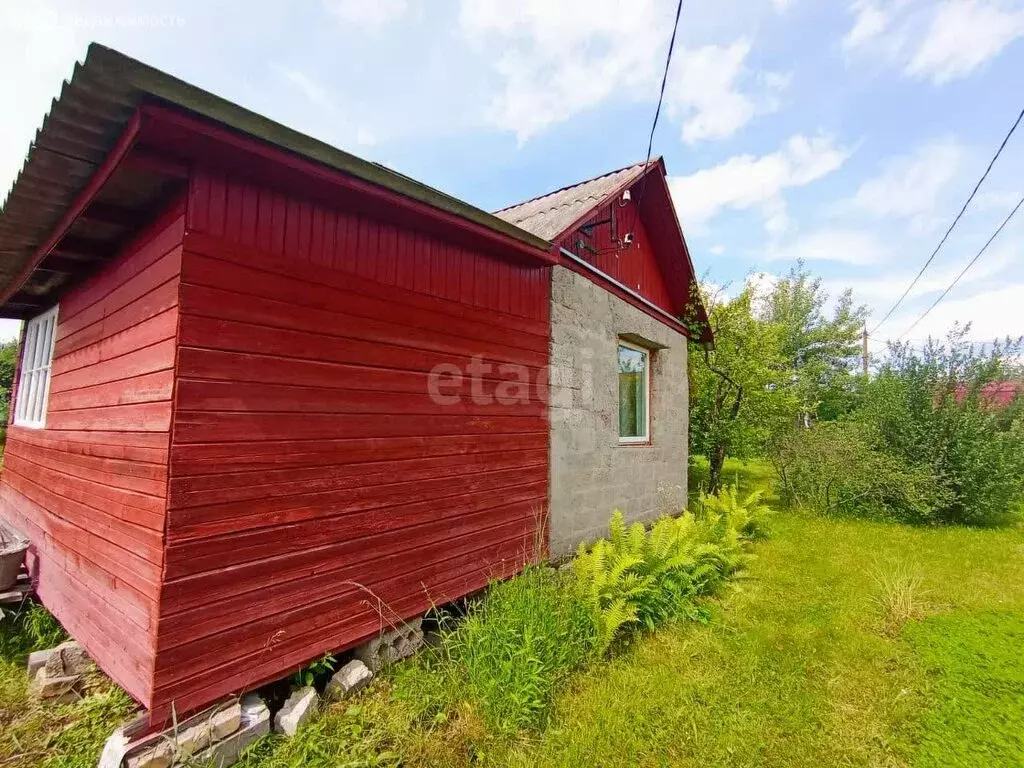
x: 717, y: 458
x: 717, y: 461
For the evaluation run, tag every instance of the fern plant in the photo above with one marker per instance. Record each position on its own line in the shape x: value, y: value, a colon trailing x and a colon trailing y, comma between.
x: 747, y: 516
x: 650, y: 576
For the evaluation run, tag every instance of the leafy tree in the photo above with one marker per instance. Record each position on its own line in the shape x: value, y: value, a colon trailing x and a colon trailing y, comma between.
x: 8, y: 361
x: 740, y: 391
x: 822, y: 349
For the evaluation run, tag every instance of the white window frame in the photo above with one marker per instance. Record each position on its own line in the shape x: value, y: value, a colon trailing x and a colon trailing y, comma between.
x: 646, y: 437
x: 34, y: 378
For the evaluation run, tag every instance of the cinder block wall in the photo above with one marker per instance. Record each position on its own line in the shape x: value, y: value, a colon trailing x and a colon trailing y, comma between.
x: 591, y: 473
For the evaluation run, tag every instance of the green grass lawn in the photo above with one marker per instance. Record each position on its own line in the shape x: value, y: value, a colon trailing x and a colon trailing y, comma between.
x: 801, y: 664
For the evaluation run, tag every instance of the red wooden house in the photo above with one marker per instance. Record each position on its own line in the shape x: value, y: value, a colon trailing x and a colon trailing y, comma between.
x: 266, y: 387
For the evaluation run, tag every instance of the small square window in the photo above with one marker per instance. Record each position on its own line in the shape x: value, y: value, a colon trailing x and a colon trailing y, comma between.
x: 634, y: 394
x: 34, y: 380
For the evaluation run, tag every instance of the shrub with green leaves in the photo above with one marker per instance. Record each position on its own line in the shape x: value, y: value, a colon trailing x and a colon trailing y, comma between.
x: 928, y: 444
x: 645, y: 577
x: 832, y: 469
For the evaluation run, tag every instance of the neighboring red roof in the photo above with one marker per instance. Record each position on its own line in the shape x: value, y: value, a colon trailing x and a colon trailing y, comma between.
x: 996, y: 392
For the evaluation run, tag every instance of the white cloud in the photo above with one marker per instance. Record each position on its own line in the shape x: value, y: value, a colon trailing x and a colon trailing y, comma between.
x: 746, y: 181
x: 555, y: 59
x: 718, y: 250
x: 993, y: 313
x: 847, y: 246
x: 871, y: 22
x: 329, y: 120
x: 910, y: 185
x: 308, y: 87
x: 705, y: 91
x: 367, y: 14
x: 963, y: 35
x: 882, y: 290
x: 940, y: 41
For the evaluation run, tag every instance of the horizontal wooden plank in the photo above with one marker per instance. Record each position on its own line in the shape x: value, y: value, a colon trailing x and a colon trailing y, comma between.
x: 313, y: 295
x: 360, y: 471
x: 531, y: 315
x: 203, y: 332
x: 225, y: 396
x: 359, y: 534
x: 157, y: 357
x: 345, y: 563
x: 297, y: 503
x: 146, y: 333
x: 437, y: 475
x: 122, y: 504
x: 137, y: 447
x: 195, y: 589
x: 258, y: 456
x: 89, y: 301
x: 207, y: 426
x: 106, y: 544
x: 271, y: 313
x: 112, y: 596
x: 160, y: 299
x: 148, y: 388
x: 202, y: 653
x: 147, y: 479
x: 138, y: 417
x: 510, y: 382
x: 255, y: 670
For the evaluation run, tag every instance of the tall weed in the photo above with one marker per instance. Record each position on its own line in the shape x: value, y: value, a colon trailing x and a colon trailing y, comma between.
x: 516, y: 645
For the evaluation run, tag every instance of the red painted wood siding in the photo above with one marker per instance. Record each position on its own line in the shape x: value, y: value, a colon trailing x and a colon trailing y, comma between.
x: 311, y: 473
x: 636, y: 266
x: 90, y: 489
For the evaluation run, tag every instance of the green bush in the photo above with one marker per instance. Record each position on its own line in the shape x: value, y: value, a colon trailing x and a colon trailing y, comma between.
x: 929, y: 410
x: 832, y: 469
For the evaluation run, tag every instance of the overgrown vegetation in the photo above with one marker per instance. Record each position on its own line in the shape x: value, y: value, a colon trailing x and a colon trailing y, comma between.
x: 519, y: 644
x: 928, y: 443
x: 779, y: 360
x: 64, y: 736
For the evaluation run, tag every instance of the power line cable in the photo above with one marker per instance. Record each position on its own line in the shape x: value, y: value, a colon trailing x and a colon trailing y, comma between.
x: 951, y: 226
x: 664, y: 80
x: 964, y: 270
x: 657, y: 113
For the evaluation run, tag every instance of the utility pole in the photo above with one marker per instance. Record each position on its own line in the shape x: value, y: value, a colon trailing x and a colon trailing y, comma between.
x: 864, y: 350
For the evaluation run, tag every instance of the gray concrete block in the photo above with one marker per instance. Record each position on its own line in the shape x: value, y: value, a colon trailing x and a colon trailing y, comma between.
x: 297, y: 710
x: 350, y: 679
x: 254, y: 724
x: 393, y: 645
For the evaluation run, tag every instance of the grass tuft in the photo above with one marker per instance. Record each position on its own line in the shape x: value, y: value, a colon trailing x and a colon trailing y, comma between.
x: 899, y: 593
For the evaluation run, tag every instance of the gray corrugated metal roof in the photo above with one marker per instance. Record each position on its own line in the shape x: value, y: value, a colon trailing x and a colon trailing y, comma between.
x: 550, y: 215
x: 91, y: 113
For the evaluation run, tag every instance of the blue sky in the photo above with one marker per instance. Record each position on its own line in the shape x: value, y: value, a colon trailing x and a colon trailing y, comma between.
x: 844, y: 132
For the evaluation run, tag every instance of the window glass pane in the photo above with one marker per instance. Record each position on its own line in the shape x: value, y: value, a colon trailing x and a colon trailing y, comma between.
x: 34, y: 378
x: 44, y: 358
x: 632, y: 392
x: 43, y: 382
